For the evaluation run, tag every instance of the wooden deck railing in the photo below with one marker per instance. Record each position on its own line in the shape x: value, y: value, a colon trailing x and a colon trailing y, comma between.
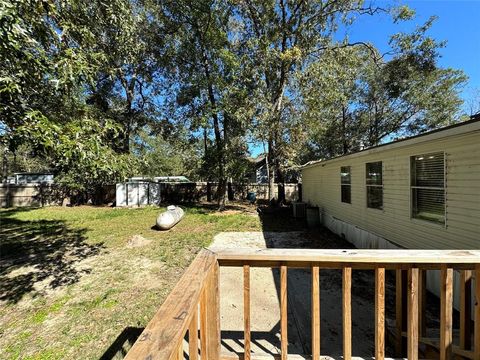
x: 196, y: 295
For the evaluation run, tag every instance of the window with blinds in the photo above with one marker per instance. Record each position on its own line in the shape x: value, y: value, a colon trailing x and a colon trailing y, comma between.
x: 346, y: 184
x: 374, y: 182
x: 428, y: 187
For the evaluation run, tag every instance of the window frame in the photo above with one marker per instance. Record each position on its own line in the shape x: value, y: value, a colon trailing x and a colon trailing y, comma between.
x: 412, y: 187
x: 367, y: 186
x: 349, y: 184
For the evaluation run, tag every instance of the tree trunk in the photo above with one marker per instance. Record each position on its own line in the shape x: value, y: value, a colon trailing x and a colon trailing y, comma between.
x: 205, y: 140
x: 270, y: 171
x: 5, y: 163
x: 344, y: 130
x: 220, y: 147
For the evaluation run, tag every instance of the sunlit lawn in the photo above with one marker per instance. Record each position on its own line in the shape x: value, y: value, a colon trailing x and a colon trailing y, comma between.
x: 72, y: 281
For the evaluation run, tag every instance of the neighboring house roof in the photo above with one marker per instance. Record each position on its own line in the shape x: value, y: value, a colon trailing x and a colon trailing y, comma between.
x: 456, y: 129
x: 257, y: 159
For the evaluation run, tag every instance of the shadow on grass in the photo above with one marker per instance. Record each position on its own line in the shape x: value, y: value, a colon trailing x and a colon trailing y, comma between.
x: 122, y: 343
x: 39, y: 255
x: 212, y: 208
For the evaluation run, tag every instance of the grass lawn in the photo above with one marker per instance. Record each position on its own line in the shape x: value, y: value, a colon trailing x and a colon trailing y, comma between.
x: 73, y: 280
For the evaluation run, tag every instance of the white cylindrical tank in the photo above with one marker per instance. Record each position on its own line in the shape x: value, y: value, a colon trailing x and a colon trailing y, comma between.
x: 169, y: 218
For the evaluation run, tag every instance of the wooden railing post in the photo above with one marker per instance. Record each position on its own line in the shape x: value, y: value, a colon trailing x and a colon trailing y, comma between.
x: 246, y: 310
x: 398, y: 313
x: 446, y: 312
x: 283, y: 312
x: 422, y: 303
x: 465, y: 309
x: 347, y: 312
x: 412, y: 321
x: 315, y: 313
x: 193, y: 337
x: 203, y: 324
x: 210, y: 317
x: 214, y: 314
x: 379, y: 313
x: 476, y: 330
x: 163, y: 336
x: 180, y: 351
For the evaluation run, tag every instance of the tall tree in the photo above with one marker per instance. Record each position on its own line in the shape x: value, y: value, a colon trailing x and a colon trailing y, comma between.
x: 210, y: 92
x: 282, y: 37
x: 406, y: 94
x: 49, y: 59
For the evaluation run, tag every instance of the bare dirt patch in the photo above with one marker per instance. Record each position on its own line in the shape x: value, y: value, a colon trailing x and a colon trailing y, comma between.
x: 137, y: 241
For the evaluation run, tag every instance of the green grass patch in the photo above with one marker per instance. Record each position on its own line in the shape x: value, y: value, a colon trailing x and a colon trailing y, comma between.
x: 72, y: 284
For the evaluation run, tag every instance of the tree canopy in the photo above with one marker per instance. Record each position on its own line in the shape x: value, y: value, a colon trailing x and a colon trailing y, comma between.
x: 99, y: 91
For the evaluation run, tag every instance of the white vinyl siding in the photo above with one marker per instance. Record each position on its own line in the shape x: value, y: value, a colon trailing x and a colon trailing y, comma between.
x: 395, y: 223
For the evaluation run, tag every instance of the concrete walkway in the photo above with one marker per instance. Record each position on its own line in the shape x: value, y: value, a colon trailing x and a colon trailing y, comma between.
x: 265, y: 304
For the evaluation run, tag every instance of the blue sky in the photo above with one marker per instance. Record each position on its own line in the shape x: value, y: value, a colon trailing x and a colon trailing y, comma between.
x: 458, y: 23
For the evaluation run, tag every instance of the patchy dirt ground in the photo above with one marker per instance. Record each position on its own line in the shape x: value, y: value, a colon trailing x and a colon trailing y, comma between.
x: 81, y: 283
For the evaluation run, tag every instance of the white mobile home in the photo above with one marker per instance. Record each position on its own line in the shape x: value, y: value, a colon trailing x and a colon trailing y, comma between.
x: 418, y: 193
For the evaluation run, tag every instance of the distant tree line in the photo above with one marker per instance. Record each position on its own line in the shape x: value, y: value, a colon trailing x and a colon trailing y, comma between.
x: 101, y: 90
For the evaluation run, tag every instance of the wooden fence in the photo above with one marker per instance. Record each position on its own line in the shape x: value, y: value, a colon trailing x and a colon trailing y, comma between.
x: 197, y: 295
x: 18, y: 195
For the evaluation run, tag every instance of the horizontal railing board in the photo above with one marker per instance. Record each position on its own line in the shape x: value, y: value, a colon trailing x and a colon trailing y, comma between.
x: 329, y: 258
x: 166, y: 329
x: 241, y: 356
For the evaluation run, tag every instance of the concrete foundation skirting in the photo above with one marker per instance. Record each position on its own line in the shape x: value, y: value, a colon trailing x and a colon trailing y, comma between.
x: 363, y: 239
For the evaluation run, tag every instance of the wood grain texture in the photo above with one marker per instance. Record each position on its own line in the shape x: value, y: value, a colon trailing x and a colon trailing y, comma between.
x: 389, y: 258
x: 412, y: 322
x: 203, y: 325
x: 246, y: 311
x: 465, y: 309
x: 446, y: 312
x: 180, y: 351
x: 379, y: 313
x: 422, y: 302
x: 283, y: 312
x: 213, y: 314
x: 193, y: 337
x: 398, y: 313
x: 347, y: 312
x: 235, y: 356
x: 476, y: 331
x: 161, y: 336
x: 315, y: 313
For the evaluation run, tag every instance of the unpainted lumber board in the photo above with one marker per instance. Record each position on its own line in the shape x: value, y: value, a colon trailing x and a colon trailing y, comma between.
x: 347, y: 312
x: 379, y: 313
x: 446, y: 312
x: 315, y: 313
x: 170, y: 323
x: 246, y: 310
x: 283, y: 312
x: 412, y: 309
x: 193, y: 337
x: 465, y: 309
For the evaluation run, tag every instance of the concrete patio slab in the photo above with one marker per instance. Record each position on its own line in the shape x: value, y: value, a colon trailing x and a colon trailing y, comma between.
x: 265, y: 304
